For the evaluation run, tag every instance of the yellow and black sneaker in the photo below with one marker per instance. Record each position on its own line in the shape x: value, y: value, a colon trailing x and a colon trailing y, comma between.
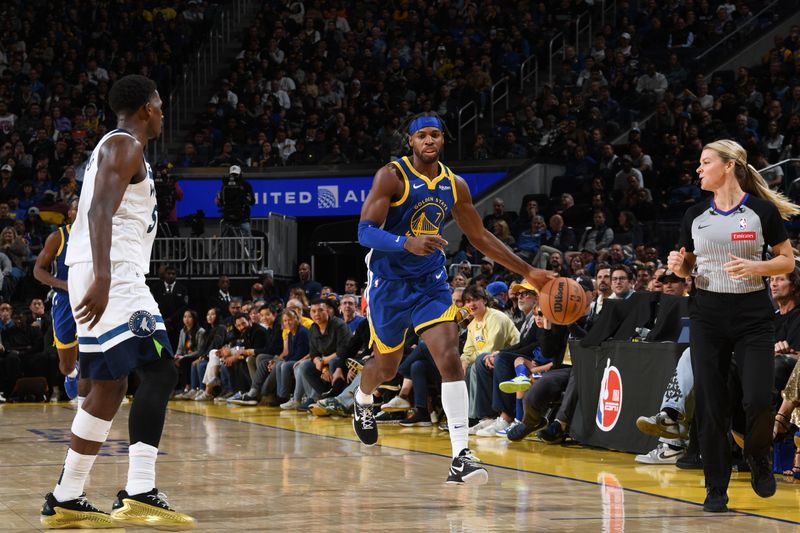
x: 73, y: 514
x: 149, y: 509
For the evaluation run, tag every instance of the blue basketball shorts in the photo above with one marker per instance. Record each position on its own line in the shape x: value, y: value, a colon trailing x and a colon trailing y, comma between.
x: 64, y: 333
x: 396, y: 305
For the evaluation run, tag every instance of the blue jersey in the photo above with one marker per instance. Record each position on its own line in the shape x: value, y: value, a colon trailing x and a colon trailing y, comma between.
x: 61, y: 269
x: 422, y: 210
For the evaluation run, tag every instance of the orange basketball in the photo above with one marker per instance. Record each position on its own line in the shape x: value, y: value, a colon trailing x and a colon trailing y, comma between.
x: 563, y: 301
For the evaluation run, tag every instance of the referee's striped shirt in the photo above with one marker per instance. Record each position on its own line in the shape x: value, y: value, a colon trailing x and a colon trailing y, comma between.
x: 745, y: 231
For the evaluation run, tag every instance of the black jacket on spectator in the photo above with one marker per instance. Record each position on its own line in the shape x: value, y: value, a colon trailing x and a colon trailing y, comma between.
x: 221, y: 300
x: 214, y: 339
x: 358, y: 345
x: 335, y: 338
x: 173, y: 302
x: 274, y: 342
x: 254, y: 337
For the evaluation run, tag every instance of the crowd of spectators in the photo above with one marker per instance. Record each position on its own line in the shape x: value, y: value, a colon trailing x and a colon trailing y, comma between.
x: 332, y: 82
x: 57, y: 62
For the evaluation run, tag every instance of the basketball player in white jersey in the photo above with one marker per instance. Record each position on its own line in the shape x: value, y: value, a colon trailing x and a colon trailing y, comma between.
x: 120, y: 329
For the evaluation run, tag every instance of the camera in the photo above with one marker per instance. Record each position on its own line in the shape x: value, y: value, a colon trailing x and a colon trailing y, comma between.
x: 236, y: 197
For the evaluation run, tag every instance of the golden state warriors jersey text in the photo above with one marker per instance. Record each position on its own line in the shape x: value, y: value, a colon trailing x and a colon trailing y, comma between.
x: 422, y: 210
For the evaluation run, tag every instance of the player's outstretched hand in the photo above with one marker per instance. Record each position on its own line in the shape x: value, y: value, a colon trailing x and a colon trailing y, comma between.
x: 94, y: 303
x: 425, y: 244
x: 538, y: 277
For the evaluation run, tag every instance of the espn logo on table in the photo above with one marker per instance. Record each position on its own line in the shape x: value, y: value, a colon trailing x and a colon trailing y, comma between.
x: 743, y: 236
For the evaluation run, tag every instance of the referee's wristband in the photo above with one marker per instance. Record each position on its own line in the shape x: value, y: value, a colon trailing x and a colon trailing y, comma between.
x: 372, y: 236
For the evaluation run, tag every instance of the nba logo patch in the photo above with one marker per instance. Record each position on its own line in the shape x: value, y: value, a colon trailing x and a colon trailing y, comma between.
x: 742, y: 223
x: 327, y: 196
x: 142, y: 324
x: 609, y: 404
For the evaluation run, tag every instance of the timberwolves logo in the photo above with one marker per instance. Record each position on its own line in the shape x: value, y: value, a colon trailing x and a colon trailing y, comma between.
x: 609, y: 404
x: 142, y: 324
x: 327, y: 196
x: 427, y: 219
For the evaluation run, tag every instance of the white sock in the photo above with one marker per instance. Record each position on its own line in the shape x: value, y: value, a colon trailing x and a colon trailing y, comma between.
x: 73, y: 476
x: 363, y: 399
x: 455, y: 402
x: 141, y: 468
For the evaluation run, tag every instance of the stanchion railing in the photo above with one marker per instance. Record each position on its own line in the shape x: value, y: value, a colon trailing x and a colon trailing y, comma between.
x: 498, y: 93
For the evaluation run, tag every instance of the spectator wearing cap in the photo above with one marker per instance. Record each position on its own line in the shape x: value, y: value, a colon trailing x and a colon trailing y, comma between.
x: 624, y: 44
x: 548, y: 346
x: 487, y: 270
x: 8, y: 187
x: 35, y: 223
x: 672, y: 283
x: 499, y: 291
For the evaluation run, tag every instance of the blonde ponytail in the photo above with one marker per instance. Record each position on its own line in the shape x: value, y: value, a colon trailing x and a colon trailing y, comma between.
x: 750, y: 180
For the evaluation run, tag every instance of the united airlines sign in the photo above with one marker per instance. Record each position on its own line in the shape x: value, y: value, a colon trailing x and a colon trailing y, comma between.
x: 304, y: 197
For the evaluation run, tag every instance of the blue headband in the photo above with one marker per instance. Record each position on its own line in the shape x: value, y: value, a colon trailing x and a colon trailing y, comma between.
x: 424, y: 122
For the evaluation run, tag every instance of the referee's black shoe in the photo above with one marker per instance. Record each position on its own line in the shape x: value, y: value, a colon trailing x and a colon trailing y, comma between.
x: 364, y: 423
x: 761, y: 477
x: 716, y: 500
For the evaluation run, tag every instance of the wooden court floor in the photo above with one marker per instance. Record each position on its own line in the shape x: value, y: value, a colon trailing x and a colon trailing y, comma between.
x: 260, y: 469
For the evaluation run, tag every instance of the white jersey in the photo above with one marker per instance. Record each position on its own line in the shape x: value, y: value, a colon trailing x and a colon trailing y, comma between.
x: 133, y: 224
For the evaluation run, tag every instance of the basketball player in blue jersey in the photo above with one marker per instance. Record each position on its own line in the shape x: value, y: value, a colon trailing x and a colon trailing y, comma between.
x: 50, y: 269
x: 120, y: 329
x: 401, y: 221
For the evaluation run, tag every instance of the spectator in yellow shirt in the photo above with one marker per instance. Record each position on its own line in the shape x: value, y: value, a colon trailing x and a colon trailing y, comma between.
x: 490, y: 331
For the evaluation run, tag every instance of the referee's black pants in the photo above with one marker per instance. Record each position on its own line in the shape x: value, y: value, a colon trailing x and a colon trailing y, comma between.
x: 723, y: 325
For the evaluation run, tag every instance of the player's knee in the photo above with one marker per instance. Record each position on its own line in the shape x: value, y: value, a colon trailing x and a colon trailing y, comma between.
x: 387, y: 373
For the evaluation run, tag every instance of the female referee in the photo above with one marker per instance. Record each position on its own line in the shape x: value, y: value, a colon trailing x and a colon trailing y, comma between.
x: 725, y: 241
